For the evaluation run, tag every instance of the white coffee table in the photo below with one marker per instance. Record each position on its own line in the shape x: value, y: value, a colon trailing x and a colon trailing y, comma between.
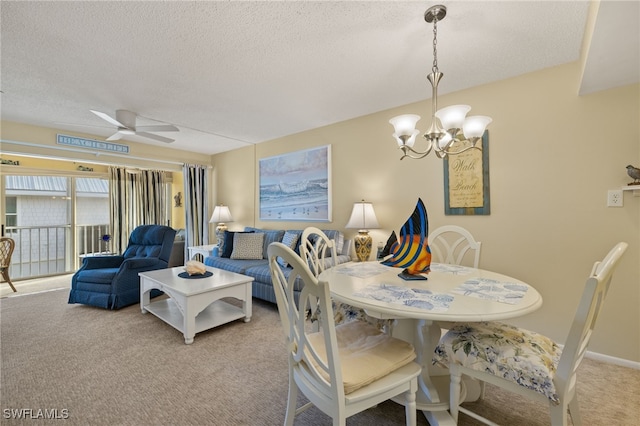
x: 194, y: 305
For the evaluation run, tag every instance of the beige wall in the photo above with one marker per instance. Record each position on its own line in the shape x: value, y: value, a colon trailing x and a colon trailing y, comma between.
x: 235, y: 171
x: 553, y: 156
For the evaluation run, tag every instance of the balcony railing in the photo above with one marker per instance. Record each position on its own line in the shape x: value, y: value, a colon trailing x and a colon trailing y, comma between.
x: 89, y: 239
x: 50, y: 250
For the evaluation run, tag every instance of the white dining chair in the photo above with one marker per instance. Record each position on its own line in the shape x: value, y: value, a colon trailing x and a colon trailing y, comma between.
x: 454, y: 245
x: 343, y: 369
x: 317, y: 249
x: 526, y: 362
x: 319, y: 252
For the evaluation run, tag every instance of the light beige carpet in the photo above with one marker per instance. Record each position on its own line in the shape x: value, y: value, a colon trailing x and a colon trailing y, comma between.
x: 125, y: 368
x: 35, y: 285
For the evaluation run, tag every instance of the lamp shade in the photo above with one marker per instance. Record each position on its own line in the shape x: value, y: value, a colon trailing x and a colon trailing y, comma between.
x: 363, y: 217
x: 405, y: 128
x: 221, y: 214
x: 475, y: 126
x: 452, y: 117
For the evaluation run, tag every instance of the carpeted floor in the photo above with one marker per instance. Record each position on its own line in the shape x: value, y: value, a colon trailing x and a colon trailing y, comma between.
x: 123, y: 368
x: 35, y: 285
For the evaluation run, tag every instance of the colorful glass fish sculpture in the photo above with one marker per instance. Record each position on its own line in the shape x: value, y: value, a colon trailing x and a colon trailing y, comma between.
x: 412, y: 251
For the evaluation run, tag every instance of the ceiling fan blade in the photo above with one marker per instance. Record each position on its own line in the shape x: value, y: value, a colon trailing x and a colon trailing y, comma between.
x: 154, y: 137
x: 158, y: 128
x: 107, y: 118
x: 114, y: 137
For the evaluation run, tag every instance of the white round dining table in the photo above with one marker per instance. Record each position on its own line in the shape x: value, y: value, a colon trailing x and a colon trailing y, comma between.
x: 421, y: 308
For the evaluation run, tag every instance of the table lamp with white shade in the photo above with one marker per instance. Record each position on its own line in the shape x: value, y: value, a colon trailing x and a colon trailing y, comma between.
x: 363, y: 218
x: 221, y: 214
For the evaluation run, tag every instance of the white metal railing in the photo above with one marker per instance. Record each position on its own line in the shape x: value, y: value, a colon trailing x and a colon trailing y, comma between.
x: 89, y: 239
x: 50, y: 250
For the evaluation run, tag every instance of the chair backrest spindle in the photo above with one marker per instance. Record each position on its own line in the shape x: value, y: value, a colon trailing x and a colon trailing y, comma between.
x: 589, y: 308
x: 317, y: 249
x: 454, y: 245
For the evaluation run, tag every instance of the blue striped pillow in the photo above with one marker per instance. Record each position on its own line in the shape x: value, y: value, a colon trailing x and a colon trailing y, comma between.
x: 290, y: 240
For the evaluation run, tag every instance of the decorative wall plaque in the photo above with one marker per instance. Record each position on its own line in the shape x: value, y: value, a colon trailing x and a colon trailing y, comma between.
x: 466, y: 181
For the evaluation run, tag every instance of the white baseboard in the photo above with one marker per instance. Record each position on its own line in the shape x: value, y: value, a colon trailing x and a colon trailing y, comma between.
x: 613, y: 360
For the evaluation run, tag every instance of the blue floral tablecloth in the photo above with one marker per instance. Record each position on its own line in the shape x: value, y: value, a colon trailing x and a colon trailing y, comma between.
x: 414, y: 297
x: 499, y: 291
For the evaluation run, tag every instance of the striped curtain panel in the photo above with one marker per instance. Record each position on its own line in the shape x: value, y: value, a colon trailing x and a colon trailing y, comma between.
x: 196, y: 205
x: 136, y: 197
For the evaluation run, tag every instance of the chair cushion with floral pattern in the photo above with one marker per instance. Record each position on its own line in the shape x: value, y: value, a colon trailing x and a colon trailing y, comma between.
x: 343, y: 313
x: 515, y: 354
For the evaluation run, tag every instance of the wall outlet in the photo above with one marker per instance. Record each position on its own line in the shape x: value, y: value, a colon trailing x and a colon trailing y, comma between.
x: 615, y: 198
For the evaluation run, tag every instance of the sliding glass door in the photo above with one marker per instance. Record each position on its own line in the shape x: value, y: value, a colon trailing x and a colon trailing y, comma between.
x: 54, y: 220
x: 38, y: 219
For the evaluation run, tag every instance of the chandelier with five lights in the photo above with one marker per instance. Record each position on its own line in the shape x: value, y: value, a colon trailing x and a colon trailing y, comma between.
x: 451, y: 131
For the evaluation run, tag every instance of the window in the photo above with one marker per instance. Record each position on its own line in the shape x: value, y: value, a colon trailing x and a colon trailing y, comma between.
x: 11, y: 211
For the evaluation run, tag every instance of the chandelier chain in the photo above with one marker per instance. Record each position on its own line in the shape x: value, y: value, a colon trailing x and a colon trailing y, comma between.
x: 435, y: 45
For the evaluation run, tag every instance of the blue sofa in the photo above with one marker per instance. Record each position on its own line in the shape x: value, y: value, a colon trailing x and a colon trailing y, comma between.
x: 112, y: 282
x: 259, y: 268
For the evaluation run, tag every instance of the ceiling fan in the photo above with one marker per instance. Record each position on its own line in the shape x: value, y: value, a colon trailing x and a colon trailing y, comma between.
x: 125, y: 121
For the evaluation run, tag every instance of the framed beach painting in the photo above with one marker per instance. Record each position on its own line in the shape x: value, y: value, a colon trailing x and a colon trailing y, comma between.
x: 296, y: 186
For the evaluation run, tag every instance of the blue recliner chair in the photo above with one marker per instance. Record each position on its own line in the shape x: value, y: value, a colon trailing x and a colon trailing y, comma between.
x: 112, y: 282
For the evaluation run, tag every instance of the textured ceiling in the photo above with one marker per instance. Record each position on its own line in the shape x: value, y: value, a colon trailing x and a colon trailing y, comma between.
x: 230, y: 74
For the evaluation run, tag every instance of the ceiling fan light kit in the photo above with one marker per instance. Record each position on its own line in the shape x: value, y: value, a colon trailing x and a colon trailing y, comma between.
x: 125, y: 121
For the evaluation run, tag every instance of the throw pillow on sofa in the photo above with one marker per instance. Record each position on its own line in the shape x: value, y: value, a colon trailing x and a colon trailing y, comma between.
x: 270, y: 236
x: 290, y: 240
x: 247, y: 246
x: 228, y: 242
